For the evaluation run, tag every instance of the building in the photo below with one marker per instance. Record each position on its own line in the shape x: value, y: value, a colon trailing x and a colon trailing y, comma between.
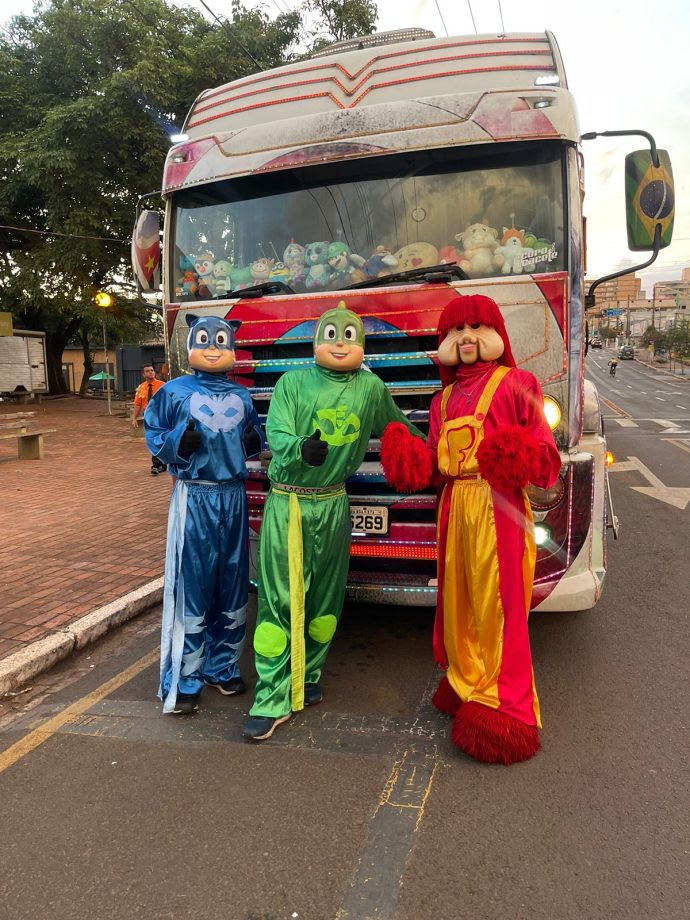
x: 617, y: 291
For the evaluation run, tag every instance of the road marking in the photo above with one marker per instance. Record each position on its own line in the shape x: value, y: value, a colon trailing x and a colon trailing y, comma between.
x: 684, y: 445
x: 671, y: 495
x: 612, y: 405
x: 375, y: 886
x: 628, y: 386
x: 680, y: 407
x: 660, y: 399
x: 625, y: 422
x: 36, y: 737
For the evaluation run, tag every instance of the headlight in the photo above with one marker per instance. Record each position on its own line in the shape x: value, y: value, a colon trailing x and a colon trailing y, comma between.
x: 552, y: 411
x: 542, y: 534
x: 544, y: 499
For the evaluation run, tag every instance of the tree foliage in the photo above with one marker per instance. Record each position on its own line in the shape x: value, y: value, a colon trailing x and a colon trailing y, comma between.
x: 342, y: 19
x: 90, y: 91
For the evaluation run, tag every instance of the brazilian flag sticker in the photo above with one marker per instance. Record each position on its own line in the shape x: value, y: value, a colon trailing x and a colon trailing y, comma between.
x: 650, y: 199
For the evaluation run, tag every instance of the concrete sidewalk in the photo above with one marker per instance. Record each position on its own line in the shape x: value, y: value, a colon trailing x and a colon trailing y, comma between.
x: 81, y: 532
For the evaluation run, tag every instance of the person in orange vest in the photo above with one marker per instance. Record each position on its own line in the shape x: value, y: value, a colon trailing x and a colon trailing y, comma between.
x: 142, y: 397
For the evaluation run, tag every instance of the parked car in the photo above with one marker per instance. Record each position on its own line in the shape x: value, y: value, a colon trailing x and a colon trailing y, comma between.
x: 596, y: 343
x: 626, y: 352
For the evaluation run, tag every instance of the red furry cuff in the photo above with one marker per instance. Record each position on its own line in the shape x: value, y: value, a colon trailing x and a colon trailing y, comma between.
x: 405, y: 459
x: 492, y: 736
x: 509, y: 458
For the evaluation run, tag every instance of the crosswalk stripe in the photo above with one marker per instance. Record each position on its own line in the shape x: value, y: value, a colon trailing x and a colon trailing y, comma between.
x: 625, y: 422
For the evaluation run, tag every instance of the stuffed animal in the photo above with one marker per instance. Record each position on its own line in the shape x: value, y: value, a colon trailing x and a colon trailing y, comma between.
x: 380, y: 263
x: 188, y: 282
x: 241, y: 277
x: 345, y: 265
x: 416, y: 255
x: 448, y: 254
x: 280, y: 272
x: 509, y: 255
x: 318, y: 272
x: 293, y: 257
x: 261, y: 269
x: 479, y: 243
x: 203, y: 265
x: 222, y: 277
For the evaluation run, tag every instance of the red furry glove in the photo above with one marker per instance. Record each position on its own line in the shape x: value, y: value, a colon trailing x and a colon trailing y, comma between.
x: 509, y: 458
x: 405, y: 459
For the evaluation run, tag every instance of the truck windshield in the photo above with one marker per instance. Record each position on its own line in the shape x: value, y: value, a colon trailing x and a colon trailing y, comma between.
x: 496, y: 210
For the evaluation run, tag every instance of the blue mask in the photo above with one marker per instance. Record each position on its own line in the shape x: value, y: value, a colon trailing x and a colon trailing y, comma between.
x: 207, y: 331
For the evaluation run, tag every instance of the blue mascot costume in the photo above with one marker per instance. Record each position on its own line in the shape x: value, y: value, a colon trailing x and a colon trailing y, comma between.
x: 203, y: 426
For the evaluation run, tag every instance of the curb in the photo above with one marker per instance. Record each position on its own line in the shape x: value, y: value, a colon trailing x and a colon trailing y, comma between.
x: 662, y: 370
x: 41, y: 655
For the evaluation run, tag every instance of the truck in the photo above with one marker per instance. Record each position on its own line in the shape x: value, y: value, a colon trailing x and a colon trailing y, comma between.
x: 23, y: 364
x: 393, y: 172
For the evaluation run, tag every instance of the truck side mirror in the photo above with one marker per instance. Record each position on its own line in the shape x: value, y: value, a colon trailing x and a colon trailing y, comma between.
x: 146, y: 251
x: 649, y: 199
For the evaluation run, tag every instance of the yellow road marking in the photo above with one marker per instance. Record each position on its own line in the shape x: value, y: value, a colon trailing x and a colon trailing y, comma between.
x: 45, y: 731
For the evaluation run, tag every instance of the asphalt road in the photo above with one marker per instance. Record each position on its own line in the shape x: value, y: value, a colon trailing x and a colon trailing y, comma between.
x: 362, y: 808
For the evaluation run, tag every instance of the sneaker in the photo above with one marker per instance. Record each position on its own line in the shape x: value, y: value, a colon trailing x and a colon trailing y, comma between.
x: 259, y: 728
x: 186, y: 702
x: 228, y: 687
x: 312, y: 694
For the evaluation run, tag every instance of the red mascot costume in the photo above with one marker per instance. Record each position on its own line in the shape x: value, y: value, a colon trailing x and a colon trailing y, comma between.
x: 488, y: 439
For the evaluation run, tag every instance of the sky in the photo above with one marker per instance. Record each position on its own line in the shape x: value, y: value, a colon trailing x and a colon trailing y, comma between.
x: 626, y: 65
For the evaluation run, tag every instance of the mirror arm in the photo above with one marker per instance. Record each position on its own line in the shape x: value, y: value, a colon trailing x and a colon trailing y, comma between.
x: 589, y: 297
x: 591, y: 135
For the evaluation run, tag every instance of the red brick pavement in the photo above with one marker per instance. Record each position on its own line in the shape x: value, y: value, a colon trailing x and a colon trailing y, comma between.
x: 80, y: 528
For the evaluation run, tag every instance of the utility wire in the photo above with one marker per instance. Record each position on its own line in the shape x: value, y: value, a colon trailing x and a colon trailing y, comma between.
x: 503, y: 26
x: 441, y: 15
x: 472, y: 15
x: 72, y: 236
x: 232, y: 34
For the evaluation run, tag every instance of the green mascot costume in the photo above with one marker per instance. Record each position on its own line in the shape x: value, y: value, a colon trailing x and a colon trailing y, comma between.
x: 318, y: 428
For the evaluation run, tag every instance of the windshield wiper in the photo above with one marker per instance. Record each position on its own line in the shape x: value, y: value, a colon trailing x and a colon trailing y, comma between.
x: 432, y: 274
x: 260, y: 290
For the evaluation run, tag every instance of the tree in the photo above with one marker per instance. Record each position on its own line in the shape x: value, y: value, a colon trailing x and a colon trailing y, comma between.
x: 90, y: 90
x: 608, y: 332
x: 342, y: 19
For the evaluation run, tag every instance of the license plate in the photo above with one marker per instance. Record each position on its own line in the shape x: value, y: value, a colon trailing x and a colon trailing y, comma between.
x: 369, y: 519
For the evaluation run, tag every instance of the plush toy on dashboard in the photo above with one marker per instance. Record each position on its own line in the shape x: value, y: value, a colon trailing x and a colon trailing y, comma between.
x: 318, y: 272
x: 345, y: 265
x: 222, y: 277
x: 479, y: 243
x: 448, y: 254
x: 261, y: 269
x: 293, y: 257
x: 380, y: 263
x: 416, y: 255
x: 203, y: 266
x: 188, y: 282
x: 280, y: 272
x: 511, y: 251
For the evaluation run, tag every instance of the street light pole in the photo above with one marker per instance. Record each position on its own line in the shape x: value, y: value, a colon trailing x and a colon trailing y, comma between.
x: 107, y: 370
x: 105, y: 300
